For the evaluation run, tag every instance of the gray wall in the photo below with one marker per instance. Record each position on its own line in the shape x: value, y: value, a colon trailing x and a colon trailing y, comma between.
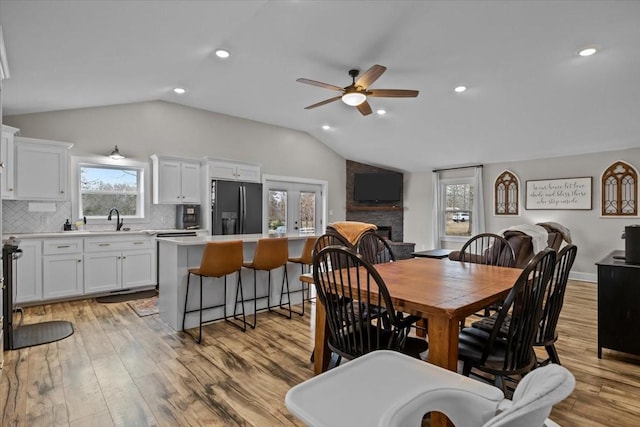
x: 145, y: 128
x: 594, y: 235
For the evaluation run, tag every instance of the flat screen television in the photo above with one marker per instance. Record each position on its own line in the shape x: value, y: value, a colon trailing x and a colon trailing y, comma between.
x: 377, y: 187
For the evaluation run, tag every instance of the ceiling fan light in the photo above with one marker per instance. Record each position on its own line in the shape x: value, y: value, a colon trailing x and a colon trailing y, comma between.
x: 354, y: 98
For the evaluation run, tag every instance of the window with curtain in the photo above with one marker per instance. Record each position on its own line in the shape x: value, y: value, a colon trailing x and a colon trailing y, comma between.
x: 458, y: 206
x: 506, y: 194
x: 620, y: 190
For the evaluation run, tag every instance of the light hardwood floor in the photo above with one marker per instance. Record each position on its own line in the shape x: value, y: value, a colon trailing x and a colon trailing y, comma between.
x: 118, y: 369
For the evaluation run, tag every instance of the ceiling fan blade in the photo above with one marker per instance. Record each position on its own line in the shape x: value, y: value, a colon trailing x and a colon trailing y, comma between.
x: 364, y: 108
x: 319, y: 84
x: 326, y: 101
x: 370, y: 76
x: 393, y: 93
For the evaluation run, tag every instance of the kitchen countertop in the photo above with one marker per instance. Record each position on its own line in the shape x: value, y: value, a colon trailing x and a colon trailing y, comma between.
x: 247, y: 238
x: 90, y: 233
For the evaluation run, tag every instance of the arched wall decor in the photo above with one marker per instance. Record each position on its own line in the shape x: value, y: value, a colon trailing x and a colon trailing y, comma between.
x: 620, y: 190
x: 506, y: 194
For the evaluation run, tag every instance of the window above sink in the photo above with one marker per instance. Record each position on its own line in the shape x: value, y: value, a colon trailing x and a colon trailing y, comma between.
x: 100, y: 183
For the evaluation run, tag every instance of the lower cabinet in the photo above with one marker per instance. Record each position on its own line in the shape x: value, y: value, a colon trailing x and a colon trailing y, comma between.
x: 56, y: 268
x: 27, y: 274
x: 110, y: 266
x: 62, y: 275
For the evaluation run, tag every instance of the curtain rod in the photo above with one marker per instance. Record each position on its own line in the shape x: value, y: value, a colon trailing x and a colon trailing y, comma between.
x: 459, y: 167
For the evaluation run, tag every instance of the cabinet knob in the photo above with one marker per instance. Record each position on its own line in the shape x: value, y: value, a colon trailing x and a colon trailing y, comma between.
x: 79, y: 260
x: 61, y: 191
x: 10, y: 189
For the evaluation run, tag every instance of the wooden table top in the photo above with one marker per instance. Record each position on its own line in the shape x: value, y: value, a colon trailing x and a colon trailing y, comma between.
x: 432, y: 287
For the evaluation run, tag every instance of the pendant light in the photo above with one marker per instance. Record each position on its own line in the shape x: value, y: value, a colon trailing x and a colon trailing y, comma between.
x: 115, y: 154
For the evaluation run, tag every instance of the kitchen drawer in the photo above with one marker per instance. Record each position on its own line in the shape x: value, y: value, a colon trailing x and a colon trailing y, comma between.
x: 101, y: 245
x: 62, y: 246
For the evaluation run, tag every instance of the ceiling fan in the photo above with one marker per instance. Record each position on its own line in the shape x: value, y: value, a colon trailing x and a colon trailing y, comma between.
x: 357, y: 92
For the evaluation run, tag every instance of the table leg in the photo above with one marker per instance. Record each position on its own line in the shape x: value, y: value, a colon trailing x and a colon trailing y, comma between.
x: 322, y: 354
x: 443, y: 351
x: 422, y: 331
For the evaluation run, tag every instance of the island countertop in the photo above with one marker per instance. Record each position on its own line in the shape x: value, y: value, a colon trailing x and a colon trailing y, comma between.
x: 246, y: 238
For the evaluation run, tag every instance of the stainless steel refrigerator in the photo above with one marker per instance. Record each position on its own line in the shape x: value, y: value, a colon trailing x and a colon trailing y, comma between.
x: 236, y: 207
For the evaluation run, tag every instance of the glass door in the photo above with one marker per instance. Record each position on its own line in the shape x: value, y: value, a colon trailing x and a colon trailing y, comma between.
x: 294, y: 207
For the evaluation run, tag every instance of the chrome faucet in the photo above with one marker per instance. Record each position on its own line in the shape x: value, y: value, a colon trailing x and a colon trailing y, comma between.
x: 118, y: 222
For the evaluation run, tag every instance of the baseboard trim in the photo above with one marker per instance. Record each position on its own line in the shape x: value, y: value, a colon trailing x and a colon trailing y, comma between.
x: 583, y: 277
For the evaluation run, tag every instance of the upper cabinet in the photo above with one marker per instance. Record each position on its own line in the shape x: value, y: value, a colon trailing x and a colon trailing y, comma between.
x: 175, y: 180
x: 234, y: 171
x: 41, y: 169
x: 7, y: 162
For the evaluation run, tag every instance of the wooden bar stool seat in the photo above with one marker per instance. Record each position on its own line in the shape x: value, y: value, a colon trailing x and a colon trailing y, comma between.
x: 219, y: 259
x: 270, y: 254
x: 305, y: 259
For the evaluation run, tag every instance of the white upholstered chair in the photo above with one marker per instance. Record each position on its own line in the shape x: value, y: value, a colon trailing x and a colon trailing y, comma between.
x: 390, y: 389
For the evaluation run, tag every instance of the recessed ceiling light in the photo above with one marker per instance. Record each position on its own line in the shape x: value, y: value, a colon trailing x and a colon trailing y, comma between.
x: 460, y: 89
x: 179, y: 90
x: 326, y: 127
x: 587, y: 51
x: 221, y: 53
x: 381, y: 112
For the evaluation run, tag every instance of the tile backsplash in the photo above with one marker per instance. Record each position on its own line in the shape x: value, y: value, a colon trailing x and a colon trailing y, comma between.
x: 16, y: 218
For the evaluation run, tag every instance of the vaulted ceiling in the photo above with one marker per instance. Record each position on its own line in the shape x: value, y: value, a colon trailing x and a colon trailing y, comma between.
x: 530, y: 95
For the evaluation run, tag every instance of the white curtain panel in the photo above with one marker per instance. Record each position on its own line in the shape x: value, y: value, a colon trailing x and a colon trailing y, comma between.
x: 478, y: 226
x: 436, y: 216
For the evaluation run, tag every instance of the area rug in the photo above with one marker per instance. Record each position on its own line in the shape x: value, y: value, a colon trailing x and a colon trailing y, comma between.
x: 127, y: 296
x: 145, y: 307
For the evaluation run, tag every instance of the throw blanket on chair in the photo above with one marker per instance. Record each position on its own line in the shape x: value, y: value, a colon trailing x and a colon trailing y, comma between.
x: 538, y: 235
x: 351, y: 230
x: 554, y: 226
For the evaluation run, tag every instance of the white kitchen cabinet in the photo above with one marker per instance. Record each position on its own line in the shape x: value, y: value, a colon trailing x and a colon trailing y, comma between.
x: 41, y: 169
x: 27, y: 274
x: 175, y: 180
x: 62, y: 272
x: 62, y: 275
x: 115, y: 263
x: 7, y: 162
x: 233, y: 171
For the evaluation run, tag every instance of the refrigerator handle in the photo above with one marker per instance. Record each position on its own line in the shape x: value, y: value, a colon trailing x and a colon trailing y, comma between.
x: 244, y: 208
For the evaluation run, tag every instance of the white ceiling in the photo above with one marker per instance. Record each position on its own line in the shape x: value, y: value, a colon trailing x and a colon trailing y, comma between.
x: 530, y: 95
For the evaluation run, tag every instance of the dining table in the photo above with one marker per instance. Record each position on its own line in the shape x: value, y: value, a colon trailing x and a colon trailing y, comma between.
x: 442, y: 292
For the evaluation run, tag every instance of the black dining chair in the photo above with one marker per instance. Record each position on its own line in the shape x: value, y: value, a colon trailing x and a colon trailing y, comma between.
x: 374, y: 248
x: 509, y: 353
x: 347, y: 286
x: 547, y: 334
x: 488, y: 249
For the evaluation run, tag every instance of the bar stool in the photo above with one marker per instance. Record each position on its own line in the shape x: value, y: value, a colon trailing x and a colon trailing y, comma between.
x: 219, y: 259
x: 306, y: 258
x: 270, y: 254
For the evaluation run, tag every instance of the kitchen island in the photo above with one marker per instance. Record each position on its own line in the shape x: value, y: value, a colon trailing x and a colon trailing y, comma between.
x: 177, y: 254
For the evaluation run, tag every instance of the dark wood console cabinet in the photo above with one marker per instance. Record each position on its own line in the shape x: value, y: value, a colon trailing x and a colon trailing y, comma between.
x: 618, y: 304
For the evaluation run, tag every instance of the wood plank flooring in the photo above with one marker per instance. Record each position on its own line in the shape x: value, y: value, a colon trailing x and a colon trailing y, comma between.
x: 118, y: 369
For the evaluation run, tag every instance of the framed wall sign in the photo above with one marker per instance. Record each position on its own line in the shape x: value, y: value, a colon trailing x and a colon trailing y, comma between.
x: 564, y: 193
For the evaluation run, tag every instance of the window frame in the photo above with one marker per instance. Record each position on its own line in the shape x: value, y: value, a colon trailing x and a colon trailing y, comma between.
x: 144, y: 186
x: 443, y: 208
